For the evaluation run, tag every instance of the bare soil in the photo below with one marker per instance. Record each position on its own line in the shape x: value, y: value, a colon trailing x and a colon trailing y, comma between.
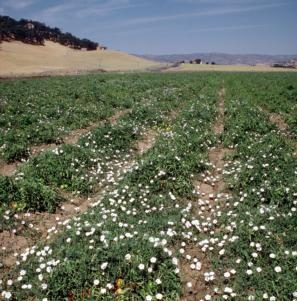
x: 146, y: 142
x: 278, y: 121
x: 212, y: 195
x: 283, y: 127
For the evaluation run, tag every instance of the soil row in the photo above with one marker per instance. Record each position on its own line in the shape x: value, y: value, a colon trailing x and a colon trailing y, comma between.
x: 211, y: 196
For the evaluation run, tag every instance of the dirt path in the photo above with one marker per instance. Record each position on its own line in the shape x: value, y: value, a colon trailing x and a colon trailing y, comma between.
x: 211, y: 197
x: 277, y: 119
x: 71, y: 138
x: 283, y: 127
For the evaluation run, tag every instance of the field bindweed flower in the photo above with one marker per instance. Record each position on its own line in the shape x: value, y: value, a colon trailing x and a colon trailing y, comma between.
x: 189, y: 284
x: 227, y: 274
x: 153, y: 260
x: 128, y: 257
x: 249, y: 272
x: 44, y: 286
x: 159, y: 296
x: 141, y: 266
x: 6, y: 295
x: 104, y: 265
x: 158, y: 281
x: 278, y: 269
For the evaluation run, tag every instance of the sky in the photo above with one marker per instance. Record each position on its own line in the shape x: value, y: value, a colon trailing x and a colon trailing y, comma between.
x: 170, y: 26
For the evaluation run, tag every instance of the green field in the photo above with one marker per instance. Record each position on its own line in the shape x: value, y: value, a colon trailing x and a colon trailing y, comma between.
x: 189, y: 182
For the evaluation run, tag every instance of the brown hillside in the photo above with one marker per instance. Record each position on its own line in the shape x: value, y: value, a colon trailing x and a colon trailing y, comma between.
x: 17, y: 58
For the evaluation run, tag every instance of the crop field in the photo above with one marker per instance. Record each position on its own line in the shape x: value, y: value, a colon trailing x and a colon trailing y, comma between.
x: 176, y: 186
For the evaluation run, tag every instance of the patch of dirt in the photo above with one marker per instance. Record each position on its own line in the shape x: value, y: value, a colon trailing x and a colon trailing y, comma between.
x: 283, y: 127
x: 199, y: 288
x: 146, y: 142
x: 71, y: 138
x: 278, y: 121
x: 212, y: 195
x: 218, y: 127
x: 8, y: 169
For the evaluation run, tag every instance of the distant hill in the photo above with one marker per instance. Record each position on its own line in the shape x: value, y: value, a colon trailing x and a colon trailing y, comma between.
x: 19, y: 59
x: 36, y: 33
x: 226, y: 59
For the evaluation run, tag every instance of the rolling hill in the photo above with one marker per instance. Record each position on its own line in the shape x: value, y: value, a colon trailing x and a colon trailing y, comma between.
x: 19, y: 59
x: 31, y: 48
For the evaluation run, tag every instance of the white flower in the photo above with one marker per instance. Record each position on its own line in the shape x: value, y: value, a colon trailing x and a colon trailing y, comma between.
x: 222, y: 252
x: 175, y: 261
x: 103, y: 290
x: 44, y: 286
x: 23, y: 272
x: 141, y: 266
x: 104, y: 265
x: 128, y: 257
x: 159, y: 296
x: 189, y: 284
x: 207, y: 297
x: 6, y: 295
x: 249, y: 272
x: 9, y: 282
x: 158, y: 281
x: 278, y: 269
x: 227, y: 274
x: 228, y: 290
x: 96, y: 282
x: 150, y: 269
x: 148, y: 298
x: 153, y: 260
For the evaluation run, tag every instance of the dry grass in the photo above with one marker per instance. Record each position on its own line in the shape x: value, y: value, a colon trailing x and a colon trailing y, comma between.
x: 236, y: 68
x: 17, y: 58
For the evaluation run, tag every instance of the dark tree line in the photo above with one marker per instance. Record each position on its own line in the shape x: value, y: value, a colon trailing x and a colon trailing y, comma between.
x: 33, y: 32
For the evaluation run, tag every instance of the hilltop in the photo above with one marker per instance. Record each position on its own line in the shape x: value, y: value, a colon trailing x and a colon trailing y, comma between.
x: 19, y: 59
x: 31, y: 48
x: 36, y: 33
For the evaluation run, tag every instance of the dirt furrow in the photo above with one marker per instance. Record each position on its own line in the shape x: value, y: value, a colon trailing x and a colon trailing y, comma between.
x: 283, y: 127
x: 211, y: 198
x: 8, y: 169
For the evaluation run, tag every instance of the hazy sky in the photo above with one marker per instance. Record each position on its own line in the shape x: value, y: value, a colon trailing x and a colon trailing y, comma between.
x: 171, y: 26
